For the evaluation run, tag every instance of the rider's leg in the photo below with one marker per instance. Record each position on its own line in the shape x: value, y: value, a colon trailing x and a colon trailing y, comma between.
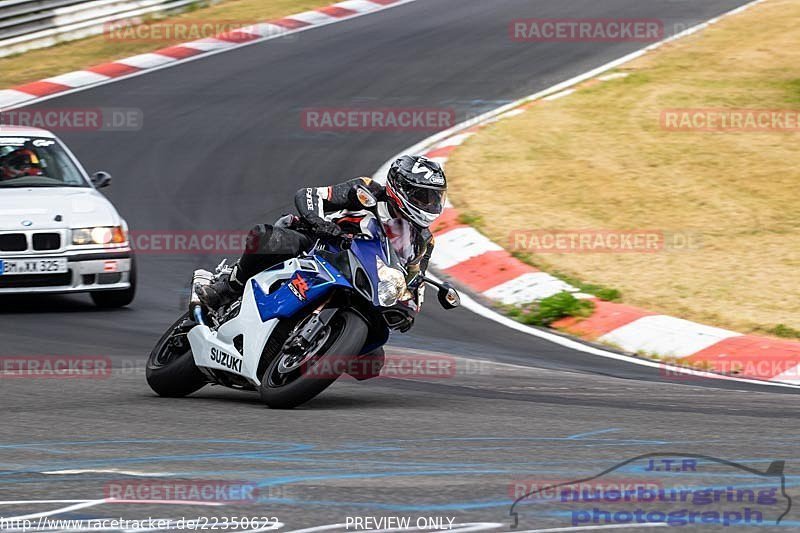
x: 269, y: 245
x: 266, y: 246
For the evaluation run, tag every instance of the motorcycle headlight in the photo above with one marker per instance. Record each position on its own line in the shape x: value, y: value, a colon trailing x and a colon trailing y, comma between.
x: 391, y: 286
x: 99, y: 235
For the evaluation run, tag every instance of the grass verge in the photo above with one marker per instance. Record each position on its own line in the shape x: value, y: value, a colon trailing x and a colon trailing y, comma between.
x: 550, y: 309
x: 599, y: 159
x: 76, y: 55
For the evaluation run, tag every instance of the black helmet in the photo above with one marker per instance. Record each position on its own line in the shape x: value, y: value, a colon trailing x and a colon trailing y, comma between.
x: 417, y: 187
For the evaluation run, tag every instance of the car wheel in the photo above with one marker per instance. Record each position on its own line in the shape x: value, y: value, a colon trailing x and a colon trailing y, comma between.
x: 119, y: 298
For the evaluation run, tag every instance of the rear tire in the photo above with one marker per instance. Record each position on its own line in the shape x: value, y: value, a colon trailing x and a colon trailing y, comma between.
x: 351, y: 336
x: 118, y: 298
x: 171, y: 371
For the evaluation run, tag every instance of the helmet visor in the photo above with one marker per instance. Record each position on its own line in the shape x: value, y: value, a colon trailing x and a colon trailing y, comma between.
x: 424, y: 199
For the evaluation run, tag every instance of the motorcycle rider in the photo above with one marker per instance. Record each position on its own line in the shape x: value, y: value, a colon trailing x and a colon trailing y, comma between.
x: 411, y: 200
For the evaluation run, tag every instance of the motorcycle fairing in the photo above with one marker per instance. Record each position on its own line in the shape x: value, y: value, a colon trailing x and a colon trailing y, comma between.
x: 254, y: 323
x: 366, y: 252
x: 287, y: 301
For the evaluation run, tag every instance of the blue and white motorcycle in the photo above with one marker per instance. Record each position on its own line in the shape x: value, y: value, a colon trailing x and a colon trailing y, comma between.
x: 298, y: 324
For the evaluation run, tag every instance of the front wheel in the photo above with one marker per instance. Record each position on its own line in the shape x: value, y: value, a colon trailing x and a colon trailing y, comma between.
x: 289, y: 382
x: 171, y: 371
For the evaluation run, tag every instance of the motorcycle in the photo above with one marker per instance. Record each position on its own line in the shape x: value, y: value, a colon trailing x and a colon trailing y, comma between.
x: 299, y: 325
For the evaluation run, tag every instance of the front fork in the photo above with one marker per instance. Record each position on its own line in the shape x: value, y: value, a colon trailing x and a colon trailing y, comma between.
x: 303, y: 339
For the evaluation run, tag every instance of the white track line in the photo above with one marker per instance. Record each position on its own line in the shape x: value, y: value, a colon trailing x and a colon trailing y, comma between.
x: 84, y: 505
x: 134, y: 473
x: 567, y: 342
x: 29, y: 502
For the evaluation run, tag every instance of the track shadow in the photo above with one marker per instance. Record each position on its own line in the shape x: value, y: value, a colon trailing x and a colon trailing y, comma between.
x: 328, y: 400
x: 50, y: 303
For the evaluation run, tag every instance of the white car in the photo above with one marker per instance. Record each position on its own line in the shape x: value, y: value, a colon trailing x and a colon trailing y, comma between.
x: 58, y: 234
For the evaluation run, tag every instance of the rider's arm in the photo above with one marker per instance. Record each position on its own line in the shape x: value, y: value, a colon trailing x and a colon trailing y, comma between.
x: 417, y: 270
x: 312, y: 203
x: 423, y: 264
x: 416, y: 285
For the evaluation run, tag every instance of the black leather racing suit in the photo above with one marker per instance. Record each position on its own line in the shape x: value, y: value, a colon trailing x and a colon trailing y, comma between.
x: 268, y: 245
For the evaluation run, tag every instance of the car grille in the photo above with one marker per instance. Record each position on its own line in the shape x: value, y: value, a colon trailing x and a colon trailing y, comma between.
x: 39, y: 242
x: 46, y: 241
x: 35, y: 280
x: 13, y: 242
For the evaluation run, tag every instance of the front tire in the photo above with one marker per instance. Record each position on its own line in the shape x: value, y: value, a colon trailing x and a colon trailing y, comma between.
x: 286, y: 391
x: 171, y: 371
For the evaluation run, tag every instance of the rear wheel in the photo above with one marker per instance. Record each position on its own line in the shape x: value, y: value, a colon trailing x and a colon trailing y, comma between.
x: 171, y: 371
x: 290, y: 380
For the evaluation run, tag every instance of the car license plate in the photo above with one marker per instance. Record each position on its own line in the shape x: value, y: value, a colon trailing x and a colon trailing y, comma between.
x: 56, y: 265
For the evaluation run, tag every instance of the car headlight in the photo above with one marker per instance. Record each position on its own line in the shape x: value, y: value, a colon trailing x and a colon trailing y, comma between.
x: 392, y: 284
x: 99, y: 235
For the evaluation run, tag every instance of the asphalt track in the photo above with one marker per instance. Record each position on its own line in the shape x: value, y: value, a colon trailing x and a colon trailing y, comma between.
x: 222, y: 148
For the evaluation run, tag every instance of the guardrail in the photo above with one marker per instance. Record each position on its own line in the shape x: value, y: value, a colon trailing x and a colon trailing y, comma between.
x: 29, y: 24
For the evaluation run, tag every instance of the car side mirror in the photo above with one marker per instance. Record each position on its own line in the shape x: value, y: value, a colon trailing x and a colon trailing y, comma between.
x: 366, y: 198
x: 448, y: 297
x: 101, y: 179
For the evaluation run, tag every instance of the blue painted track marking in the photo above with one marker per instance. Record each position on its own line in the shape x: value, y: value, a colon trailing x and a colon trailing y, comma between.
x: 348, y: 461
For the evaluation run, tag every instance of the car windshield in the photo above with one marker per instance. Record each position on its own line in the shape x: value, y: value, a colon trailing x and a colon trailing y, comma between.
x: 37, y: 162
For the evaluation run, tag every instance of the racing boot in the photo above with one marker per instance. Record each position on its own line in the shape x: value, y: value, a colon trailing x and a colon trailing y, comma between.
x: 223, y: 292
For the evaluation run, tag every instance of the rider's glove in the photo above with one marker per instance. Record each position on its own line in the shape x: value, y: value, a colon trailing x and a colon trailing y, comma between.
x: 327, y: 229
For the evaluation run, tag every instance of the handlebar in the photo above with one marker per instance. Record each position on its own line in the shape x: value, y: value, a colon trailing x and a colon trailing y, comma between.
x: 436, y: 284
x: 346, y: 240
